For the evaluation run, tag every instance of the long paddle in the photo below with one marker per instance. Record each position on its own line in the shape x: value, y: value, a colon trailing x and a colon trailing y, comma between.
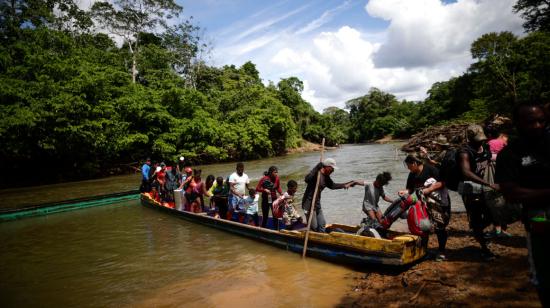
x: 312, y: 208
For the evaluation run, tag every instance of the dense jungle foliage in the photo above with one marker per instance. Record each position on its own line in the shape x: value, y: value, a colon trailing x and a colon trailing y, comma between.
x: 75, y: 104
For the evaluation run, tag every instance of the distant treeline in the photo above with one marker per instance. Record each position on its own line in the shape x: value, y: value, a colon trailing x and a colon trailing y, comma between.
x: 76, y: 105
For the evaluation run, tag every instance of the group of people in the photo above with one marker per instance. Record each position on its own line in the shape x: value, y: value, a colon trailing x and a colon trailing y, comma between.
x: 482, y: 171
x: 231, y: 198
x: 498, y: 178
x: 514, y: 175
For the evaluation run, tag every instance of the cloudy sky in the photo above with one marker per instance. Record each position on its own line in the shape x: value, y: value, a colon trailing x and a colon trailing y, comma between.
x: 340, y: 49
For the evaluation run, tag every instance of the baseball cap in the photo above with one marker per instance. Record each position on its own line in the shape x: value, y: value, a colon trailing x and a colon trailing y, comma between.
x: 475, y: 133
x: 330, y: 162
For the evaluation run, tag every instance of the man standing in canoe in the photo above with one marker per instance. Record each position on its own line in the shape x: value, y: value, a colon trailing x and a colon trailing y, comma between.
x: 145, y: 182
x: 238, y: 186
x: 325, y: 168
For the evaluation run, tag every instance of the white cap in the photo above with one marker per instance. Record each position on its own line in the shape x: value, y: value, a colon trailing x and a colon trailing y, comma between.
x: 158, y: 168
x: 182, y: 158
x: 330, y: 162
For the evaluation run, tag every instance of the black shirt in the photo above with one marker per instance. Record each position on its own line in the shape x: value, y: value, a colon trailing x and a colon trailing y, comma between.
x: 478, y: 161
x: 418, y: 180
x: 526, y: 164
x: 311, y: 180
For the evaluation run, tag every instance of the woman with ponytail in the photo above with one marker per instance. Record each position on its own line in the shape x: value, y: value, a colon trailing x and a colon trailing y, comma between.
x: 269, y: 185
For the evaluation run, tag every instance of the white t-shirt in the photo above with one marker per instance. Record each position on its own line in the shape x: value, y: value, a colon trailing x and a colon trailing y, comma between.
x: 240, y: 182
x: 252, y: 204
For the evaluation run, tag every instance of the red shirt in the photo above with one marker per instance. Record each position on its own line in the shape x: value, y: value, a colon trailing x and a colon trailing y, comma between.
x: 161, y: 177
x: 276, y: 187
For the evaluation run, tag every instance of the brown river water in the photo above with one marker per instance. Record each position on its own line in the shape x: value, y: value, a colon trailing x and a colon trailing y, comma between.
x: 125, y: 255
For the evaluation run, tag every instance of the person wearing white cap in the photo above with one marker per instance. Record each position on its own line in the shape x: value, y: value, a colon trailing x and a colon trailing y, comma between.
x: 326, y: 168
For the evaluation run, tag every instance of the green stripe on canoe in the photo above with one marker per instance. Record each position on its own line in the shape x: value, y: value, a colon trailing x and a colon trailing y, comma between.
x: 64, y: 207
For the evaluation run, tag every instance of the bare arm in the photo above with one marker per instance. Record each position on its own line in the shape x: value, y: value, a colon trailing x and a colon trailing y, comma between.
x: 189, y: 178
x: 330, y: 184
x: 359, y: 182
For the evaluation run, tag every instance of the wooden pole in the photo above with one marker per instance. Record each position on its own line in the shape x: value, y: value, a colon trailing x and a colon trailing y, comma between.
x: 313, y: 202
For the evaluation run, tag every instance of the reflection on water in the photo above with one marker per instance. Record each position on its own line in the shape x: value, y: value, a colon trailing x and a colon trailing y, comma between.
x: 127, y: 255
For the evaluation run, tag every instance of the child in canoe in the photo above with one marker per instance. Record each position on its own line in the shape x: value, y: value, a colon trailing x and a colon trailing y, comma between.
x: 251, y: 207
x: 284, y: 208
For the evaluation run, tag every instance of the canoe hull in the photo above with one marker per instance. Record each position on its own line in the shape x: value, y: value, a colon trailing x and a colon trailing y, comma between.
x: 328, y: 249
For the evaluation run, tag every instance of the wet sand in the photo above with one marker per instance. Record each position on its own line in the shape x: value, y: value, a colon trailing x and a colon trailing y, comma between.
x: 463, y: 280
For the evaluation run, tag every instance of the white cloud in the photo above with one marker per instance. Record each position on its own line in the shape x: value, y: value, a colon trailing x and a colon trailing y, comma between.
x: 426, y: 41
x: 427, y: 32
x: 338, y: 66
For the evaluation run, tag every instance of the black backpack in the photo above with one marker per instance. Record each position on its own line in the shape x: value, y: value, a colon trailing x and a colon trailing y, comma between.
x: 450, y: 171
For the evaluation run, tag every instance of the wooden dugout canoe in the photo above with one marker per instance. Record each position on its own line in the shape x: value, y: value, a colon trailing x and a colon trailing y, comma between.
x: 338, y: 247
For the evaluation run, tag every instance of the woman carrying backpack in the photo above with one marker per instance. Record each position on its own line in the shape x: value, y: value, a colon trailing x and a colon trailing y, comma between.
x: 418, y: 176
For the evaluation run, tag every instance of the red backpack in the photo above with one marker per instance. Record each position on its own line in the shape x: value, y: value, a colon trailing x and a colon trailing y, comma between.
x: 418, y: 219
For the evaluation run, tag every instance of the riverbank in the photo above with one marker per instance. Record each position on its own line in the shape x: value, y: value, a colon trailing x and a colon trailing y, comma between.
x: 389, y: 139
x: 306, y: 146
x: 462, y: 280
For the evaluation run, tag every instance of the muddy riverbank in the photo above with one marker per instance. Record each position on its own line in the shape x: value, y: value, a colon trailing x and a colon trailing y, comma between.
x: 462, y: 280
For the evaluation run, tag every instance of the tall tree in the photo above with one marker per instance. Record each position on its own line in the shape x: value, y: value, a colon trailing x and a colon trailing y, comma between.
x: 290, y: 93
x: 185, y: 47
x: 536, y: 13
x: 58, y: 14
x: 128, y: 18
x: 364, y: 112
x: 497, y: 69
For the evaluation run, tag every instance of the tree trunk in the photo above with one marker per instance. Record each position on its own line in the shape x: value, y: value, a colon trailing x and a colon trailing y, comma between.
x: 134, y: 70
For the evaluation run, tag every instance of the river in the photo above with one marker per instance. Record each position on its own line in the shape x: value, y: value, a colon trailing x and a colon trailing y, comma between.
x: 128, y: 255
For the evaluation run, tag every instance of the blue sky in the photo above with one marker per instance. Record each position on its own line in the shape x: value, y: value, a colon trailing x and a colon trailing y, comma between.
x: 340, y: 49
x: 216, y: 16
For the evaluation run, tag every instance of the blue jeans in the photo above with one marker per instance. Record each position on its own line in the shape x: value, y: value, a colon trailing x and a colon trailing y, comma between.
x: 318, y: 222
x: 236, y: 204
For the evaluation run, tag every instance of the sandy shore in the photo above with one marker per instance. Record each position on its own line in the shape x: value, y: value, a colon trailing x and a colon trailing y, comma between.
x: 462, y: 280
x: 306, y: 146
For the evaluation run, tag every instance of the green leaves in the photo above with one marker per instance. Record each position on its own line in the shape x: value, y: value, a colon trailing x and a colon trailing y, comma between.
x: 536, y: 14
